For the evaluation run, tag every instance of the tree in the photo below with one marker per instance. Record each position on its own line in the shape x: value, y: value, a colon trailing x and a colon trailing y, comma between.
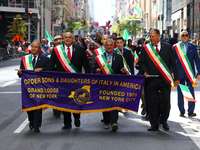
x: 130, y: 23
x: 18, y: 26
x: 76, y: 24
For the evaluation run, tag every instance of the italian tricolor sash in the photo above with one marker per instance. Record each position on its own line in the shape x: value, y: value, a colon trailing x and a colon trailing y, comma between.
x: 96, y: 44
x: 89, y: 52
x: 99, y: 51
x: 159, y: 63
x: 125, y: 63
x: 132, y: 53
x: 27, y: 61
x: 185, y: 63
x: 64, y: 60
x: 103, y: 64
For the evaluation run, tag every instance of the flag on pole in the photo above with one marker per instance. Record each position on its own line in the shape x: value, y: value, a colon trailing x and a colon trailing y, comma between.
x: 186, y: 93
x: 136, y: 57
x: 49, y: 38
x: 126, y: 35
x: 137, y: 11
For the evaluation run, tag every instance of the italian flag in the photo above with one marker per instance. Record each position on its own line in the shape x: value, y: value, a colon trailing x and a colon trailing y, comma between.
x: 186, y: 93
x: 136, y: 57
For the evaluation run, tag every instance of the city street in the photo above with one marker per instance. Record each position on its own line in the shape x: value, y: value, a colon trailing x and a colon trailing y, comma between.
x: 184, y: 133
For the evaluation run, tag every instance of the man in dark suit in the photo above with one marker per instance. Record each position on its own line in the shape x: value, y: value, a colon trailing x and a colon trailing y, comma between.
x: 126, y: 53
x: 77, y: 57
x: 116, y: 62
x: 153, y: 85
x: 39, y: 63
x: 192, y: 55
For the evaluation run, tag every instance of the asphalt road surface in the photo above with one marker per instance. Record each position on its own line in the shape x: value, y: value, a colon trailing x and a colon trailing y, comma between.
x: 184, y: 133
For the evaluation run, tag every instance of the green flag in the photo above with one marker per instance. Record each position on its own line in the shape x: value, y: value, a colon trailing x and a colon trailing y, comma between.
x: 49, y: 38
x: 126, y: 35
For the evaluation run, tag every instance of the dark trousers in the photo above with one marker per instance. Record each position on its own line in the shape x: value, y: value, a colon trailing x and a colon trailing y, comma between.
x: 152, y: 87
x: 68, y: 119
x: 35, y: 118
x: 110, y: 117
x: 191, y: 105
x: 56, y: 113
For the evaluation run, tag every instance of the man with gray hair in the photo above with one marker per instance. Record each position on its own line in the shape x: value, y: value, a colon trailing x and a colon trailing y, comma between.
x: 115, y: 65
x: 38, y: 63
x: 186, y: 56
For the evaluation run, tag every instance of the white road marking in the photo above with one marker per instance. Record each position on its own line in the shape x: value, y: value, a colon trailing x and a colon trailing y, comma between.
x: 8, y: 83
x: 10, y: 92
x: 22, y: 126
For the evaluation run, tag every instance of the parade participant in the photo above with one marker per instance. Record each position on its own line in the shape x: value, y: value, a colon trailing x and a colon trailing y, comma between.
x: 155, y: 60
x: 173, y: 40
x: 98, y: 38
x: 114, y: 37
x: 125, y: 53
x: 74, y: 59
x: 99, y: 50
x: 37, y: 63
x: 57, y: 41
x: 186, y: 55
x: 115, y: 65
x: 76, y: 37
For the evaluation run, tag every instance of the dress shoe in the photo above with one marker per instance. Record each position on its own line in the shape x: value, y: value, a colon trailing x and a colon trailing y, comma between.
x: 30, y: 126
x: 114, y: 127
x: 143, y: 112
x: 192, y: 114
x: 182, y: 114
x: 65, y: 127
x: 153, y: 128
x: 165, y: 126
x: 77, y: 122
x: 36, y: 130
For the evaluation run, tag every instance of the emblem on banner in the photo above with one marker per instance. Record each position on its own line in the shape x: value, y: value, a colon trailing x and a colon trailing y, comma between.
x: 81, y: 96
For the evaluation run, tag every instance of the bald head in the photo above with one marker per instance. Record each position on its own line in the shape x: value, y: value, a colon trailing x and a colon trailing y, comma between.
x: 68, y: 39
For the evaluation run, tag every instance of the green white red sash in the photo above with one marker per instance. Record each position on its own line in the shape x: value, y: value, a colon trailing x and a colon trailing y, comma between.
x: 159, y: 63
x: 132, y: 53
x: 185, y: 63
x: 89, y: 52
x: 136, y: 57
x: 103, y: 64
x: 27, y: 61
x: 64, y: 60
x: 99, y: 51
x: 125, y: 63
x: 96, y: 44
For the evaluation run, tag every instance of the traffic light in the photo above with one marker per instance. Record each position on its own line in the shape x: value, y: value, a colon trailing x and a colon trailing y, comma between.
x: 82, y: 20
x: 162, y: 17
x: 121, y: 28
x: 166, y: 31
x: 159, y: 17
x: 30, y: 13
x: 117, y: 20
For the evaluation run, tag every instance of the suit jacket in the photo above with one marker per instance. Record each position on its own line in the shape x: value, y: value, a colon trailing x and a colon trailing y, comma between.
x: 117, y: 63
x: 79, y: 59
x: 167, y: 54
x: 42, y: 62
x: 193, y: 58
x: 129, y: 59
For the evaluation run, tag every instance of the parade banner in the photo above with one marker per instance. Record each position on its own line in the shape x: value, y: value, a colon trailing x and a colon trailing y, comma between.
x: 80, y: 93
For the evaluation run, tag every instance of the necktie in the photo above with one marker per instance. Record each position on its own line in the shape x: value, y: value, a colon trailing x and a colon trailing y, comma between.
x: 185, y: 48
x: 69, y: 54
x: 33, y: 62
x: 110, y: 60
x: 157, y: 49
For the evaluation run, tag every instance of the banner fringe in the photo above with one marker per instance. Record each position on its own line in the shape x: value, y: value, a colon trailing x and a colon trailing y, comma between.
x: 77, y: 111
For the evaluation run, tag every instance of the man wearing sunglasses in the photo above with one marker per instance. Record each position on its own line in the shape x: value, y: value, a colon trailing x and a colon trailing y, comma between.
x: 186, y: 55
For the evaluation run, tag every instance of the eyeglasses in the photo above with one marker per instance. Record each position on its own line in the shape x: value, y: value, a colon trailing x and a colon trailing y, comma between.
x: 184, y: 35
